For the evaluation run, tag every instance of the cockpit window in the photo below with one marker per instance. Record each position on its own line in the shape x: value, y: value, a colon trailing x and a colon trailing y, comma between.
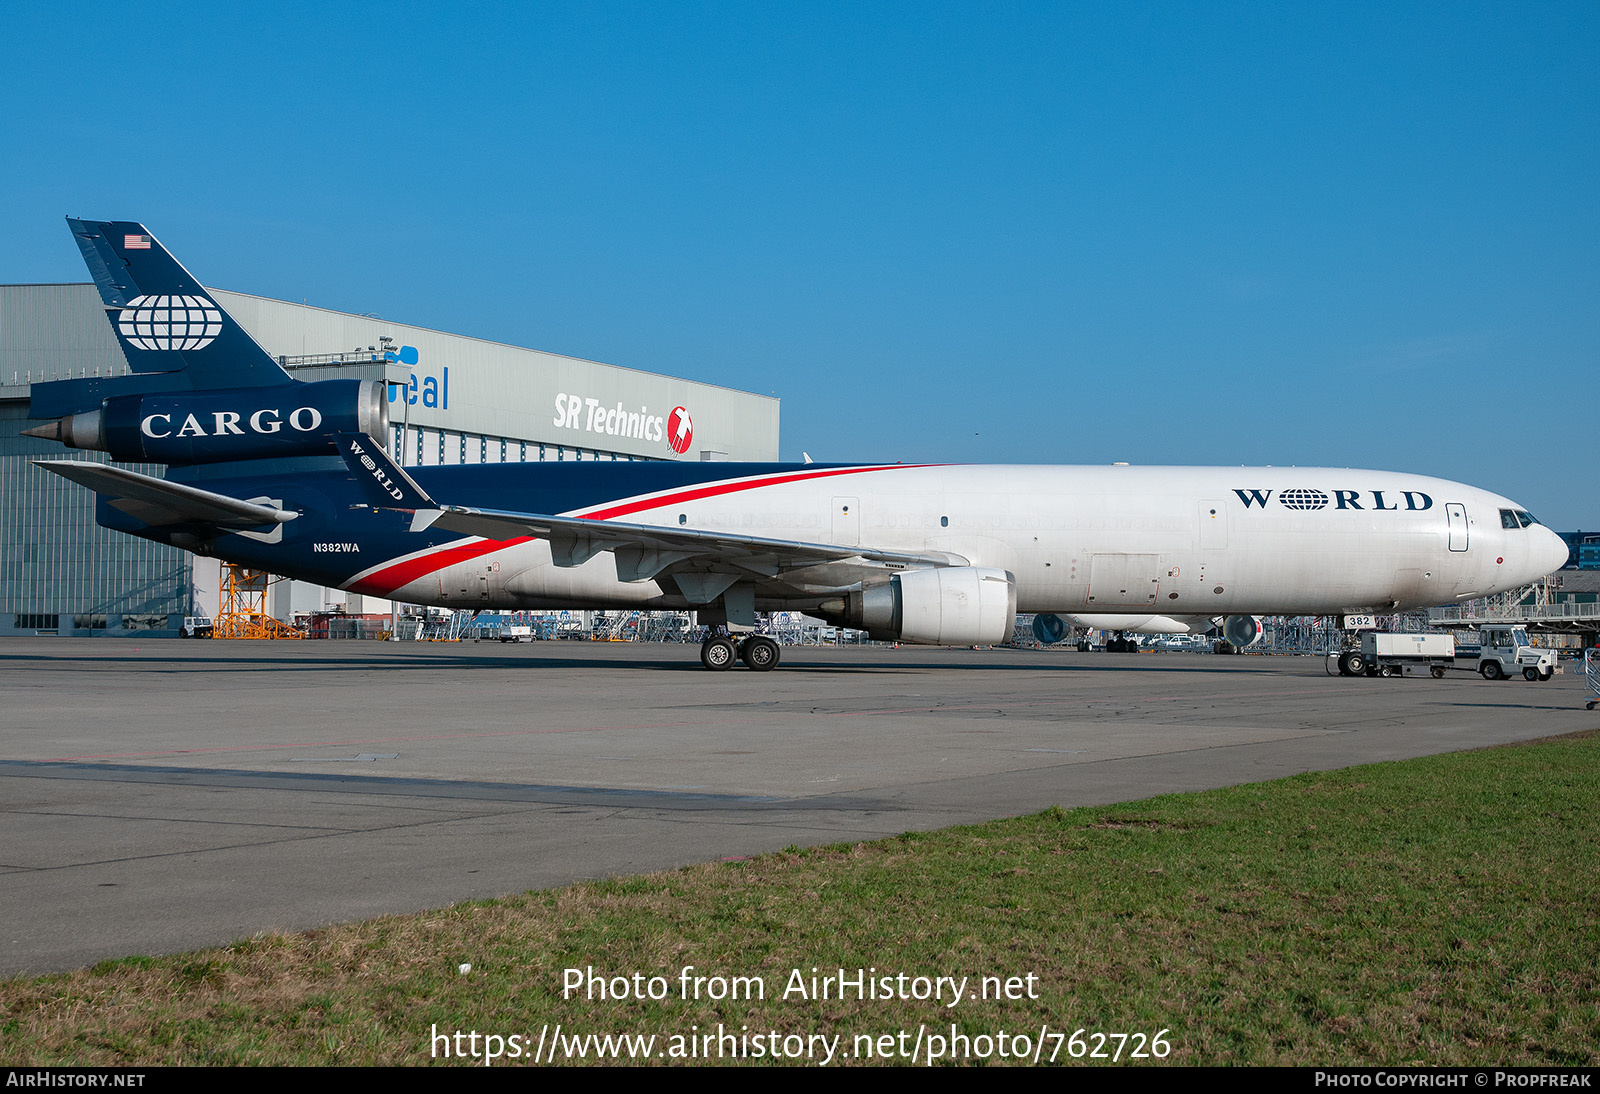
x: 1526, y: 518
x: 1508, y: 519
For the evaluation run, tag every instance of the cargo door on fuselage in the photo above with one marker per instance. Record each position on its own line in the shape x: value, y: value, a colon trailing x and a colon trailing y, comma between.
x: 1117, y: 580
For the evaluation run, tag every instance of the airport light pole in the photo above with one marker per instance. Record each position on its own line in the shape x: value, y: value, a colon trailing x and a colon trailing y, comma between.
x: 400, y: 458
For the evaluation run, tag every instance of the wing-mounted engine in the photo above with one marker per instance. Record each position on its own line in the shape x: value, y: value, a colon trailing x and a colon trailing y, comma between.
x: 949, y: 606
x: 1241, y: 630
x: 1049, y: 629
x: 192, y: 427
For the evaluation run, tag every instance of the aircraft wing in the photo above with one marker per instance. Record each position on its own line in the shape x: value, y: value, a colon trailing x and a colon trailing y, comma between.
x: 703, y: 563
x: 645, y: 550
x: 158, y: 502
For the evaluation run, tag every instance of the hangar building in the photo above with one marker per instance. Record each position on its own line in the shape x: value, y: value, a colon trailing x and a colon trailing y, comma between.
x: 464, y: 400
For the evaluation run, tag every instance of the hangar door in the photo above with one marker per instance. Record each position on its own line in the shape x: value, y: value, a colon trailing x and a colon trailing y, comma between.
x: 1116, y: 580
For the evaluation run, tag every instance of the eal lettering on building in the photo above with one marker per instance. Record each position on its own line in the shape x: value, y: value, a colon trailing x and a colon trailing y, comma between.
x: 432, y: 392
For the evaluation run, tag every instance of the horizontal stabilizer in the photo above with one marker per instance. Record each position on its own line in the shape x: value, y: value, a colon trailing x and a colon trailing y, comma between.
x: 63, y: 398
x: 158, y: 502
x: 386, y: 482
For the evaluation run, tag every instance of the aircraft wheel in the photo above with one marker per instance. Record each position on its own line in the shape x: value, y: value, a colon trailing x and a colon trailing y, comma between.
x: 760, y: 653
x: 1530, y: 675
x: 1437, y: 672
x: 1344, y: 663
x: 717, y: 654
x: 1358, y: 664
x: 1490, y: 670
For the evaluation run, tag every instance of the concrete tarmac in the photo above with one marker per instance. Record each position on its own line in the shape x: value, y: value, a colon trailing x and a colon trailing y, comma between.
x: 161, y: 795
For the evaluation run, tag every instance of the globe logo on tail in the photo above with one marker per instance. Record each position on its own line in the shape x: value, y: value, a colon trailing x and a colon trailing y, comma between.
x: 170, y: 322
x: 680, y: 430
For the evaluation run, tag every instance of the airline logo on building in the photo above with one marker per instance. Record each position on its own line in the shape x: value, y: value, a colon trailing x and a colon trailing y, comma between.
x: 590, y: 416
x: 680, y: 430
x: 170, y: 322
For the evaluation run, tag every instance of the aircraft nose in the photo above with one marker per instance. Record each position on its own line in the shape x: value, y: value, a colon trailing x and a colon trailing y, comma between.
x: 1549, y: 552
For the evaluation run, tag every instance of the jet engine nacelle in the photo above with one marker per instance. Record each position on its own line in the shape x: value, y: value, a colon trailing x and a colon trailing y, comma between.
x: 956, y: 606
x: 1241, y: 630
x: 214, y: 426
x: 1049, y: 629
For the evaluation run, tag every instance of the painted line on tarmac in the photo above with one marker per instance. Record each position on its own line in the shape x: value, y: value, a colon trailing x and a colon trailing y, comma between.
x: 1080, y: 701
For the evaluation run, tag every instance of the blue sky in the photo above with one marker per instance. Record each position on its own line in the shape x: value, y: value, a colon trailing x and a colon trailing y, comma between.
x: 1344, y: 234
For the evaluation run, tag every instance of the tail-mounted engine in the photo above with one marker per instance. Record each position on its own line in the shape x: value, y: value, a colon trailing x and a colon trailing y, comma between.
x: 215, y: 426
x: 957, y: 606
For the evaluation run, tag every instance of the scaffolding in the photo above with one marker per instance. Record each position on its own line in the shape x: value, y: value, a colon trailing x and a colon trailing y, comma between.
x: 244, y: 606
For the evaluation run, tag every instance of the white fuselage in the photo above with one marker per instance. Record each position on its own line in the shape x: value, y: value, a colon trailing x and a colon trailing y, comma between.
x: 1106, y: 540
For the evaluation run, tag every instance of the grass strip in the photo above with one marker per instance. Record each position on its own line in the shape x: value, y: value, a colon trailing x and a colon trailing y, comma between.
x: 1432, y: 911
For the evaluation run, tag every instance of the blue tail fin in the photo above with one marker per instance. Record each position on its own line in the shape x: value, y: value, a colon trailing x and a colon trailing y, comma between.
x: 165, y: 321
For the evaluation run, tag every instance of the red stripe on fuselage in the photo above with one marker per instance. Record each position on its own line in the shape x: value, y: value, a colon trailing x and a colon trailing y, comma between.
x: 718, y: 489
x: 387, y: 580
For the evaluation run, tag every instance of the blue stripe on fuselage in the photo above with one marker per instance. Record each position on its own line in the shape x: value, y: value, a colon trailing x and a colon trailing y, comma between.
x: 562, y: 487
x: 335, y: 508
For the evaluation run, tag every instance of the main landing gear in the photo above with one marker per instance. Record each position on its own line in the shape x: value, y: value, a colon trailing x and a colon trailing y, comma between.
x: 757, y: 651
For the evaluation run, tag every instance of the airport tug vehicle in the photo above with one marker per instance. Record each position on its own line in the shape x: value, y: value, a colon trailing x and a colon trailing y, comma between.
x: 1506, y: 651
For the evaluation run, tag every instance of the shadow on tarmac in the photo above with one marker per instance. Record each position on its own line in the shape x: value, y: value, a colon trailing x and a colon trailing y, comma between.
x: 599, y: 797
x: 682, y: 658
